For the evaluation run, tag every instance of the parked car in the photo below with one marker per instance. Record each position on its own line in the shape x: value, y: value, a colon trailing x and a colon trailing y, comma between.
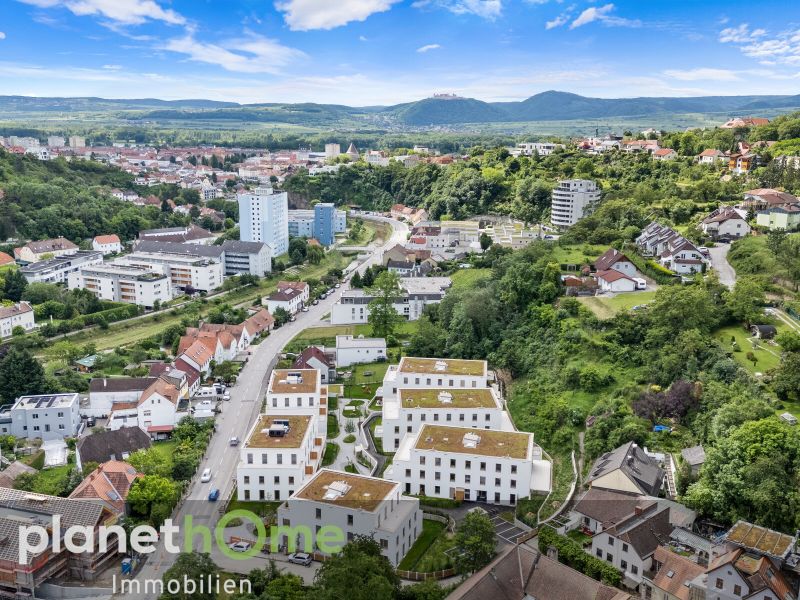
x: 240, y: 546
x: 226, y: 396
x: 234, y: 441
x: 315, y: 302
x: 91, y: 422
x: 301, y: 558
x: 206, y: 476
x: 337, y: 286
x: 213, y: 495
x: 305, y: 309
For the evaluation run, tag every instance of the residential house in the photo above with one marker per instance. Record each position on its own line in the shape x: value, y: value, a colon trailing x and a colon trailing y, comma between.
x: 46, y: 416
x: 416, y: 293
x: 673, y: 577
x: 627, y: 469
x: 107, y: 244
x: 615, y: 281
x: 522, y: 573
x: 355, y: 505
x: 726, y: 222
x: 35, y: 251
x: 673, y: 250
x: 9, y: 475
x: 711, y: 156
x: 742, y: 574
x: 288, y: 299
x: 742, y: 162
x: 665, y: 154
x: 6, y: 259
x: 617, y: 261
x: 300, y: 286
x: 765, y: 198
x: 359, y: 350
x: 111, y: 445
x: 737, y: 122
x: 198, y: 356
x: 16, y: 315
x: 107, y: 392
x: 108, y: 485
x: 298, y: 392
x: 695, y: 457
x: 193, y: 375
x: 462, y: 463
x: 156, y: 412
x: 786, y: 217
x: 315, y: 358
x: 259, y: 323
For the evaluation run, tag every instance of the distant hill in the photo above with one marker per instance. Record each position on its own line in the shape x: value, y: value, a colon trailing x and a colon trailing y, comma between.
x: 448, y: 110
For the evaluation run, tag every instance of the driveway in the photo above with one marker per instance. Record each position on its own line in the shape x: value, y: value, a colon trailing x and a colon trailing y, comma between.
x: 719, y: 262
x: 507, y: 532
x: 237, y: 416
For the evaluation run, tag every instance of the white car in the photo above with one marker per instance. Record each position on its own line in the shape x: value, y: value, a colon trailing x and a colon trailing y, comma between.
x: 226, y: 396
x: 206, y: 476
x: 305, y: 309
x: 300, y: 558
x: 240, y: 546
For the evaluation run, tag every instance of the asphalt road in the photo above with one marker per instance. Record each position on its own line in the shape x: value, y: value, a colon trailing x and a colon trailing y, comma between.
x: 719, y: 261
x: 237, y: 416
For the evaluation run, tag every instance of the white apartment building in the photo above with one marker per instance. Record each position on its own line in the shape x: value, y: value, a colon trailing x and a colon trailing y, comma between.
x: 76, y: 141
x: 417, y: 292
x: 16, y: 315
x: 442, y: 373
x: 263, y: 217
x: 497, y: 467
x: 47, y: 416
x: 280, y: 454
x: 531, y: 148
x: 358, y: 350
x: 411, y: 408
x: 123, y: 283
x: 57, y: 270
x: 355, y: 505
x: 55, y: 141
x: 298, y: 392
x: 572, y: 199
x: 200, y: 273
x: 240, y: 257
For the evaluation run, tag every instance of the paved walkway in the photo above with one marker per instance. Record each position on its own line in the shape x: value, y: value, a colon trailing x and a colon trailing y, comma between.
x: 719, y: 261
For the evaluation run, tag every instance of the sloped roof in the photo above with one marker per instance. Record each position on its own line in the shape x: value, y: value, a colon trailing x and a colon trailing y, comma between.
x: 12, y: 471
x: 14, y: 310
x: 611, y: 275
x: 645, y: 531
x: 107, y: 239
x: 609, y: 258
x: 199, y: 353
x: 301, y: 362
x: 53, y: 245
x: 119, y: 384
x: 100, y: 447
x: 695, y: 455
x: 109, y: 483
x: 675, y: 572
x: 641, y: 469
x: 260, y: 321
x: 162, y: 388
x: 5, y: 259
x: 608, y: 506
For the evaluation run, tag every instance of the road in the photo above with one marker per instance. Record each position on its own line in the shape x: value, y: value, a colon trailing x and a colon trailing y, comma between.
x: 719, y: 261
x: 237, y: 416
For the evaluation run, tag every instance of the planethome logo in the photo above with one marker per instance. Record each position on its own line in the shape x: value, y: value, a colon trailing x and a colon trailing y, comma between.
x: 82, y: 539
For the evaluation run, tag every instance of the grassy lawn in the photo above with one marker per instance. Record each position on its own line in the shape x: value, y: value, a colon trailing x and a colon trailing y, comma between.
x: 372, y: 230
x: 165, y: 448
x: 579, y: 254
x: 35, y: 460
x: 767, y: 355
x: 466, y: 278
x: 260, y: 508
x: 431, y: 531
x: 378, y: 441
x: 606, y: 307
x: 333, y: 426
x: 331, y: 452
x: 562, y: 479
x: 579, y: 537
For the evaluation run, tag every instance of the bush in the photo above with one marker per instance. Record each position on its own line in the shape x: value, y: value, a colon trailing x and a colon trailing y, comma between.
x: 438, y: 502
x: 349, y: 439
x: 572, y: 554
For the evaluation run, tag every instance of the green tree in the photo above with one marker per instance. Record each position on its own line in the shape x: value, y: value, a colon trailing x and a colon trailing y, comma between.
x: 775, y: 240
x: 382, y: 316
x: 14, y: 285
x: 21, y: 374
x: 149, y: 494
x: 150, y: 462
x: 194, y: 566
x: 486, y: 241
x: 315, y: 254
x: 281, y: 316
x: 746, y: 301
x: 787, y: 378
x: 531, y: 200
x: 358, y: 572
x: 474, y: 542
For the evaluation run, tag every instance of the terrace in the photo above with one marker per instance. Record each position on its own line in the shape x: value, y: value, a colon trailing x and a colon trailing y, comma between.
x: 446, y: 398
x: 465, y: 440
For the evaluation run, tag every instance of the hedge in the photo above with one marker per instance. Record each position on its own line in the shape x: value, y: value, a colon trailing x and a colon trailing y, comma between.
x: 111, y: 315
x: 652, y: 269
x: 438, y: 502
x: 572, y: 554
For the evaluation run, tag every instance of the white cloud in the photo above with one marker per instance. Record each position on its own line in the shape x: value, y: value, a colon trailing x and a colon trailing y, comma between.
x: 428, y: 47
x: 304, y: 15
x: 702, y: 74
x: 2, y: 35
x: 740, y: 34
x: 604, y: 16
x: 487, y: 9
x: 560, y: 20
x: 125, y: 12
x: 250, y: 54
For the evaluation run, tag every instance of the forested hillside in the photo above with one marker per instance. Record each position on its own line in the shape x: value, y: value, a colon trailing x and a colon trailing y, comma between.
x: 45, y: 199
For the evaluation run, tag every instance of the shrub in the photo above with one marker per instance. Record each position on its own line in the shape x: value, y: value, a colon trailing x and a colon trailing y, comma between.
x: 571, y: 553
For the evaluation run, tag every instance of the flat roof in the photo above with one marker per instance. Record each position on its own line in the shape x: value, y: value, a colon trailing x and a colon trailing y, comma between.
x: 442, y: 366
x: 260, y: 438
x: 363, y: 493
x: 43, y: 401
x: 512, y: 444
x: 446, y: 398
x: 293, y: 381
x: 761, y: 539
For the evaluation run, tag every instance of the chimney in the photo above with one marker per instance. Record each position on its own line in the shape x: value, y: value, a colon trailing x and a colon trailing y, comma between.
x: 638, y: 510
x: 552, y: 552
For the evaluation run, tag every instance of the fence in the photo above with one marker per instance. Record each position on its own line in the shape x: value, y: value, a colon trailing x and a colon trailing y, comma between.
x: 416, y: 576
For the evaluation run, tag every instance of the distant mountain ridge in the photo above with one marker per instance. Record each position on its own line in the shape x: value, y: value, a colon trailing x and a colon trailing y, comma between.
x: 545, y: 106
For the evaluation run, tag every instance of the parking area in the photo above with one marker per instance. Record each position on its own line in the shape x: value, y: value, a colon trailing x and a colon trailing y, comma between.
x: 505, y: 530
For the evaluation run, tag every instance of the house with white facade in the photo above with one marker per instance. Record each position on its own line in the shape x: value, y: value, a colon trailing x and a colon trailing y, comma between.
x: 616, y: 281
x: 617, y: 261
x: 572, y: 199
x: 16, y: 315
x: 185, y: 271
x: 415, y: 293
x: 280, y: 453
x: 123, y: 283
x: 449, y: 373
x: 711, y: 156
x: 157, y: 410
x: 45, y: 416
x: 298, y: 392
x: 198, y: 356
x: 627, y: 469
x: 263, y: 217
x: 287, y: 299
x: 359, y: 350
x: 41, y: 249
x: 106, y: 393
x: 497, y: 467
x: 107, y: 244
x: 726, y: 222
x: 57, y: 270
x: 355, y: 505
x: 314, y: 357
x: 671, y: 249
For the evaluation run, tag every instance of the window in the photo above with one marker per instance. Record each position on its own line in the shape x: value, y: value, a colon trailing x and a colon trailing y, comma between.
x: 349, y: 519
x: 497, y: 481
x: 599, y: 553
x: 474, y: 417
x: 408, y: 472
x: 280, y: 459
x: 294, y: 459
x: 60, y: 414
x: 408, y: 417
x: 277, y: 480
x: 461, y: 417
x: 610, y: 541
x: 513, y: 483
x: 437, y: 461
x: 452, y: 476
x: 513, y: 469
x: 436, y: 416
x: 264, y: 458
x: 634, y: 569
x: 449, y: 417
x: 609, y: 557
x: 468, y: 464
x: 498, y: 468
x: 483, y: 466
x: 623, y: 565
x: 737, y: 590
x: 422, y: 460
x: 261, y: 479
x: 247, y: 478
x: 487, y: 417
x: 318, y: 513
x: 467, y: 479
x: 291, y: 482
x: 452, y: 463
x: 624, y: 547
x: 718, y: 583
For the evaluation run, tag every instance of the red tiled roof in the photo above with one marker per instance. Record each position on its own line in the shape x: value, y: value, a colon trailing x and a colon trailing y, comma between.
x: 5, y: 259
x: 160, y: 428
x: 107, y: 239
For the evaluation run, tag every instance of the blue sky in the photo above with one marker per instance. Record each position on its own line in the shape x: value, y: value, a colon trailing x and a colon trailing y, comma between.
x: 363, y: 52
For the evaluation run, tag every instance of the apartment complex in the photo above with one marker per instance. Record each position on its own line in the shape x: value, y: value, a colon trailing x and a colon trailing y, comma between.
x: 241, y: 257
x: 324, y: 226
x: 302, y: 222
x: 497, y: 467
x: 356, y: 505
x: 572, y: 200
x: 263, y: 217
x: 416, y: 293
x: 57, y: 270
x: 298, y: 392
x: 279, y: 454
x: 46, y: 416
x: 355, y: 350
x: 123, y: 283
x: 184, y: 270
x: 443, y: 373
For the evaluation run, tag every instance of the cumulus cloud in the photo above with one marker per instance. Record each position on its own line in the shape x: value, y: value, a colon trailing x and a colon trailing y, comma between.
x: 702, y: 74
x: 2, y: 35
x: 427, y: 48
x: 740, y: 34
x: 250, y: 54
x: 603, y: 15
x: 770, y: 49
x: 560, y: 20
x: 487, y: 9
x: 123, y: 12
x: 305, y: 15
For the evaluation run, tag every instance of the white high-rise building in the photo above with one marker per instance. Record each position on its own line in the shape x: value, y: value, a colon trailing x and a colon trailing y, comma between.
x: 572, y: 199
x: 264, y: 217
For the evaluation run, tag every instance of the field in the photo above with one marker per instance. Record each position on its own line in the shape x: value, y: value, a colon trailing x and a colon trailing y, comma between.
x: 767, y: 354
x: 466, y: 278
x: 606, y: 307
x: 577, y: 255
